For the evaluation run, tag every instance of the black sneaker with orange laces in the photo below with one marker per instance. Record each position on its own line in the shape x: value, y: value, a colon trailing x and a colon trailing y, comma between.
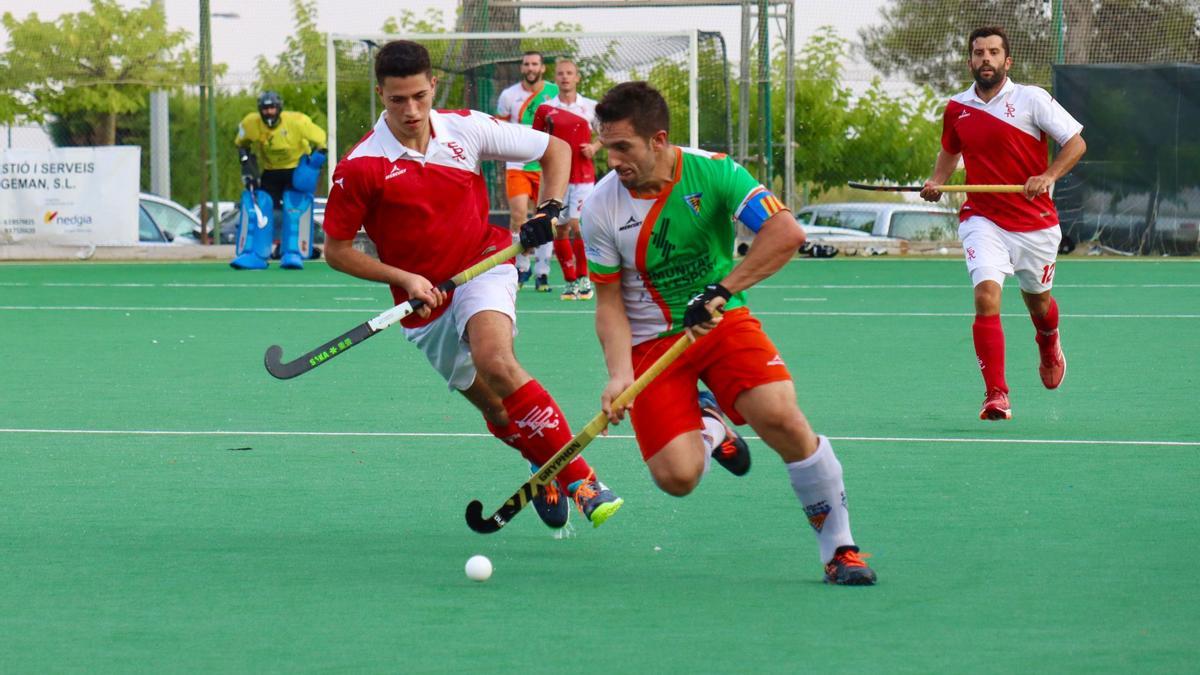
x: 848, y: 569
x: 732, y: 453
x: 550, y: 505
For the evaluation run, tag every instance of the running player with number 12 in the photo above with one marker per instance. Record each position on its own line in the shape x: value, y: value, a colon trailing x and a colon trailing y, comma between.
x: 999, y: 128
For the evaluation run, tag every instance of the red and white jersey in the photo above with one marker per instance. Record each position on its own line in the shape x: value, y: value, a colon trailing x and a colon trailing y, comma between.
x: 573, y: 122
x: 427, y: 213
x: 1003, y: 141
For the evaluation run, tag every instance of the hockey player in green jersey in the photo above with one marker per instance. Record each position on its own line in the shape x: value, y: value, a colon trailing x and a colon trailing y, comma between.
x: 659, y: 237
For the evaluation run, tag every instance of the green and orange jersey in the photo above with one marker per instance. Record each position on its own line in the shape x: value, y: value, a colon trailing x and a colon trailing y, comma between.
x: 518, y: 105
x: 665, y: 248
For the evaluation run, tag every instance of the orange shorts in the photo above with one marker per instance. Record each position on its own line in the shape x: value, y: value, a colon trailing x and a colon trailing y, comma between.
x: 735, y: 356
x: 518, y: 182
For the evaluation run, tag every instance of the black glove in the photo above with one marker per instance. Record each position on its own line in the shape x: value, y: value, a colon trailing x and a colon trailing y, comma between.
x: 249, y: 169
x: 696, y: 312
x: 539, y: 229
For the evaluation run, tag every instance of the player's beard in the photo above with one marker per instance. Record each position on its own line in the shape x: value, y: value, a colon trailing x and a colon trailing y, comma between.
x: 997, y: 76
x: 532, y: 78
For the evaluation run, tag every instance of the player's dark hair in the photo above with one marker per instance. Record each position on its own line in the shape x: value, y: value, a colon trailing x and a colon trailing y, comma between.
x: 401, y: 58
x: 988, y: 31
x: 534, y: 52
x: 637, y: 102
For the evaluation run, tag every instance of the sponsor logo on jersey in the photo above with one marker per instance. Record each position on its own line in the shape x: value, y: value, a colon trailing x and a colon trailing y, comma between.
x: 339, y: 182
x: 630, y: 224
x: 693, y: 201
x: 396, y: 171
x: 776, y: 361
x: 817, y: 513
x: 660, y: 240
x: 965, y: 113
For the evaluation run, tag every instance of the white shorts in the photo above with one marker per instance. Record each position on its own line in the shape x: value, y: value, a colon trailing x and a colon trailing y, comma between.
x: 444, y: 340
x: 576, y: 193
x: 994, y: 253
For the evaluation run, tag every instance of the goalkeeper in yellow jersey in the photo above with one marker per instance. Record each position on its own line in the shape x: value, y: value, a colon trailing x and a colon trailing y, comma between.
x: 291, y: 149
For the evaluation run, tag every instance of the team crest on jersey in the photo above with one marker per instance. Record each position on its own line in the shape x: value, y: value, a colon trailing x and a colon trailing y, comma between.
x: 693, y: 201
x: 817, y: 513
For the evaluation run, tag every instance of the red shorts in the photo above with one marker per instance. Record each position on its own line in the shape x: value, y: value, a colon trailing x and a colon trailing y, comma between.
x: 518, y: 182
x: 735, y: 356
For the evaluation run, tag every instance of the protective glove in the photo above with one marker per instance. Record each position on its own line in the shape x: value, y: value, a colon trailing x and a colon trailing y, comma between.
x: 697, y: 312
x: 317, y: 159
x: 539, y: 229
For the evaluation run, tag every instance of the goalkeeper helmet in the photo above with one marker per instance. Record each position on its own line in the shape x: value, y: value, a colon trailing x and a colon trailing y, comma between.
x: 270, y: 99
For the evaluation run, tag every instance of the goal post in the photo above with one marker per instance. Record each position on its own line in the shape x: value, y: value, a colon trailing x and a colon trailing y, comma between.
x: 472, y: 68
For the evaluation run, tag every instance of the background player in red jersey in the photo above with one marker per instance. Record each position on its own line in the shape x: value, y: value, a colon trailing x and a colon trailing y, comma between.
x: 571, y: 117
x: 414, y: 183
x: 999, y: 128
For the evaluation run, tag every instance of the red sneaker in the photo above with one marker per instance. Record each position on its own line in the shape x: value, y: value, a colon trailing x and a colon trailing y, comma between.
x: 1054, y: 365
x: 996, y: 407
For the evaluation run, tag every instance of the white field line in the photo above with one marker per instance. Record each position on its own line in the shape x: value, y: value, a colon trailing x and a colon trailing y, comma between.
x: 416, y: 434
x: 370, y: 311
x: 960, y: 286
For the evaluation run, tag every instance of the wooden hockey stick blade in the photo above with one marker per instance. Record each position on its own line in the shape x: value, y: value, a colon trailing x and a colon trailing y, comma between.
x: 533, y: 487
x: 287, y: 370
x: 943, y: 188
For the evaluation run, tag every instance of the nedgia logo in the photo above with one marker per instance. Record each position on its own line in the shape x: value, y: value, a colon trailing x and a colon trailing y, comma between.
x: 54, y: 217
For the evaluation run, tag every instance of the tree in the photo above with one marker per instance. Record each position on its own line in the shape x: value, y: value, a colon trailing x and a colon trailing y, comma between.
x: 841, y: 136
x: 90, y: 68
x: 927, y: 39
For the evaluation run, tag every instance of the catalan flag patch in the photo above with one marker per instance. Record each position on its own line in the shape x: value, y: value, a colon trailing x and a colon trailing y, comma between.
x: 693, y: 201
x: 759, y: 206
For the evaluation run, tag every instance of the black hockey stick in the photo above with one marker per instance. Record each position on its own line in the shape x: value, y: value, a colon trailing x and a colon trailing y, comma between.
x: 339, y: 344
x: 570, y: 451
x: 942, y: 188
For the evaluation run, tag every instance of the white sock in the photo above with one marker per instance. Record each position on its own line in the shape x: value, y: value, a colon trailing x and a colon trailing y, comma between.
x: 817, y: 482
x: 713, y: 434
x: 543, y: 254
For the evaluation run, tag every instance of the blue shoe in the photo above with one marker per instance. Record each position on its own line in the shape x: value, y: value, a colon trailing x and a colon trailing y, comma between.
x: 732, y: 453
x: 523, y: 276
x: 551, y: 507
x: 595, y: 501
x: 291, y: 261
x: 248, y: 261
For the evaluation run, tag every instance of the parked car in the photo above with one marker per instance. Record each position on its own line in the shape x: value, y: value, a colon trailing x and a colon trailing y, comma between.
x: 162, y: 221
x: 231, y: 213
x: 914, y: 222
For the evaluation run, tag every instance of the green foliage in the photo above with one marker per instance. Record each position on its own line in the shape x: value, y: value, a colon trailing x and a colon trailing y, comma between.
x: 841, y: 136
x: 90, y: 67
x: 926, y: 40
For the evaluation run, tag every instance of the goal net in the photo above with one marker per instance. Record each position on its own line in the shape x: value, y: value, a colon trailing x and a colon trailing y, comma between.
x: 689, y: 68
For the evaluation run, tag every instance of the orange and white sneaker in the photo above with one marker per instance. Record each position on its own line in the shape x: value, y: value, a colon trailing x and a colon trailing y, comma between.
x: 848, y: 569
x: 996, y: 406
x: 1053, y: 367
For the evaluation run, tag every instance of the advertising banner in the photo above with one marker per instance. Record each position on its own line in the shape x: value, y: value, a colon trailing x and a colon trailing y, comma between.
x: 70, y: 196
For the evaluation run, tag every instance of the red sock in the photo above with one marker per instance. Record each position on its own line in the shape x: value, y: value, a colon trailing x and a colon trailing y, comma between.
x: 581, y: 267
x: 1046, y: 325
x: 989, y: 347
x: 538, y: 429
x: 566, y: 259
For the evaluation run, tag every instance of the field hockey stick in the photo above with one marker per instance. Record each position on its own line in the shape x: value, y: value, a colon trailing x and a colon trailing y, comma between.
x: 538, y: 481
x: 339, y: 344
x: 941, y: 188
